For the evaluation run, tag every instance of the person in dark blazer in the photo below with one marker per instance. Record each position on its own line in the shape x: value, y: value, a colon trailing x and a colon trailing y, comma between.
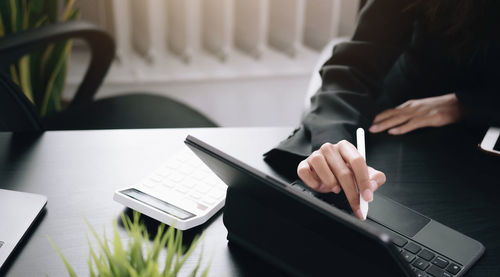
x: 410, y: 64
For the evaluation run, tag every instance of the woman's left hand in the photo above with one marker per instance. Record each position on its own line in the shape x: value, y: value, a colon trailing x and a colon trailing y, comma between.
x: 414, y: 114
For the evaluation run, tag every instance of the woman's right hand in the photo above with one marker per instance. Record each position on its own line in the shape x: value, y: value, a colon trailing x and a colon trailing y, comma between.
x: 336, y: 167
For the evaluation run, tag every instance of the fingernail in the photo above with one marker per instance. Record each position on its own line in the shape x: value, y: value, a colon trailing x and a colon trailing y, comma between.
x: 373, y: 185
x: 336, y: 189
x: 394, y: 131
x: 368, y: 195
x: 359, y: 214
x: 374, y: 128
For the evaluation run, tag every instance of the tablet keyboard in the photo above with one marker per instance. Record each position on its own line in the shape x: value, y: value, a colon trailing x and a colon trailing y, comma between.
x: 182, y: 192
x: 424, y: 262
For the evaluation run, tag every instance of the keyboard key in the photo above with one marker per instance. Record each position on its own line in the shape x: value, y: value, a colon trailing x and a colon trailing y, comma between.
x: 441, y: 262
x: 438, y: 272
x: 419, y: 273
x: 408, y: 256
x: 421, y: 264
x: 413, y: 248
x: 453, y: 268
x: 426, y: 255
x: 399, y: 241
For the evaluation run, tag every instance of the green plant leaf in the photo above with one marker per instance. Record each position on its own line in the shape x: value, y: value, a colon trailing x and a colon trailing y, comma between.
x: 130, y: 261
x: 13, y: 74
x: 65, y: 261
x: 205, y: 272
x: 13, y: 15
x: 170, y: 252
x: 25, y: 77
x: 51, y: 8
x: 52, y: 95
x: 2, y: 26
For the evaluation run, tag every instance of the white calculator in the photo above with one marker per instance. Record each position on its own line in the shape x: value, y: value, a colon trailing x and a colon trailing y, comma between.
x: 182, y: 192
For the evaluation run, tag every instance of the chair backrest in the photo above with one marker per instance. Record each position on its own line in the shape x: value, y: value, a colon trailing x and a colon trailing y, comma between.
x: 17, y: 113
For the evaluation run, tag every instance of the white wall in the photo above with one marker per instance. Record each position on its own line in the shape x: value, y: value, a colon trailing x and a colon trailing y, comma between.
x: 239, y: 89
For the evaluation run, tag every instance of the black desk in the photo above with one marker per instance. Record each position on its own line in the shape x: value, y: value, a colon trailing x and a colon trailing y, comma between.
x: 451, y: 182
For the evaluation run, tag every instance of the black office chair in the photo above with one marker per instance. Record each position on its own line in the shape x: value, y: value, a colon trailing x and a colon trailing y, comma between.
x: 137, y: 110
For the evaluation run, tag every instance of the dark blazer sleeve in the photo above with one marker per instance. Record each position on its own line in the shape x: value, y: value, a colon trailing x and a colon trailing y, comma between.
x: 482, y: 101
x: 352, y: 81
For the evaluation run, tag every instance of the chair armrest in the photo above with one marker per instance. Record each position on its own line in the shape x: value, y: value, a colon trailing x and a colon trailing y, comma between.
x: 102, y: 49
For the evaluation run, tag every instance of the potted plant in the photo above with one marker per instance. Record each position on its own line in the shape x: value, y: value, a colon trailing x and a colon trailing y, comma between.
x: 140, y: 256
x: 41, y: 74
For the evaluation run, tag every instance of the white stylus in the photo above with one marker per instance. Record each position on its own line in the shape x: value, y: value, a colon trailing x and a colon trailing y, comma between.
x: 360, y: 142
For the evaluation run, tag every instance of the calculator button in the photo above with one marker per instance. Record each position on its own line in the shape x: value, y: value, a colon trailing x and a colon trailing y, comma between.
x: 195, y: 195
x: 148, y: 183
x: 181, y: 189
x: 199, y: 175
x: 413, y: 248
x: 408, y: 256
x: 188, y: 183
x: 216, y: 193
x: 208, y: 201
x: 441, y: 262
x: 201, y: 207
x: 453, y: 268
x: 399, y: 241
x: 176, y: 177
x: 186, y: 169
x: 210, y: 180
x: 168, y: 184
x: 164, y: 172
x: 438, y: 272
x: 426, y: 255
x: 172, y: 164
x: 203, y: 188
x: 420, y: 264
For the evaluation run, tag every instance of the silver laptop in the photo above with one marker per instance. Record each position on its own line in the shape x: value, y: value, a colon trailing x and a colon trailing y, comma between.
x: 18, y: 211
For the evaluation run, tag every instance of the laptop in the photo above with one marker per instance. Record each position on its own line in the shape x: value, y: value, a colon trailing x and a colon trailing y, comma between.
x: 18, y: 211
x: 307, y: 234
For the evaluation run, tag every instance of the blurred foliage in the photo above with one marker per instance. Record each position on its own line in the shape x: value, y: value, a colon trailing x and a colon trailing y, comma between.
x: 42, y: 73
x: 141, y: 257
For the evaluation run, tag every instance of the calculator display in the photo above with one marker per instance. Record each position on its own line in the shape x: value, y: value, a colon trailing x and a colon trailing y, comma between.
x: 158, y: 204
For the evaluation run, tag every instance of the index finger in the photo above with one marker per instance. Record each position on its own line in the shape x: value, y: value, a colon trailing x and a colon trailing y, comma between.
x: 384, y: 115
x: 358, y: 165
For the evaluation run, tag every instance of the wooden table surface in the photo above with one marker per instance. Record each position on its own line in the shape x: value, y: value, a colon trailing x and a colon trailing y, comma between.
x: 438, y: 172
